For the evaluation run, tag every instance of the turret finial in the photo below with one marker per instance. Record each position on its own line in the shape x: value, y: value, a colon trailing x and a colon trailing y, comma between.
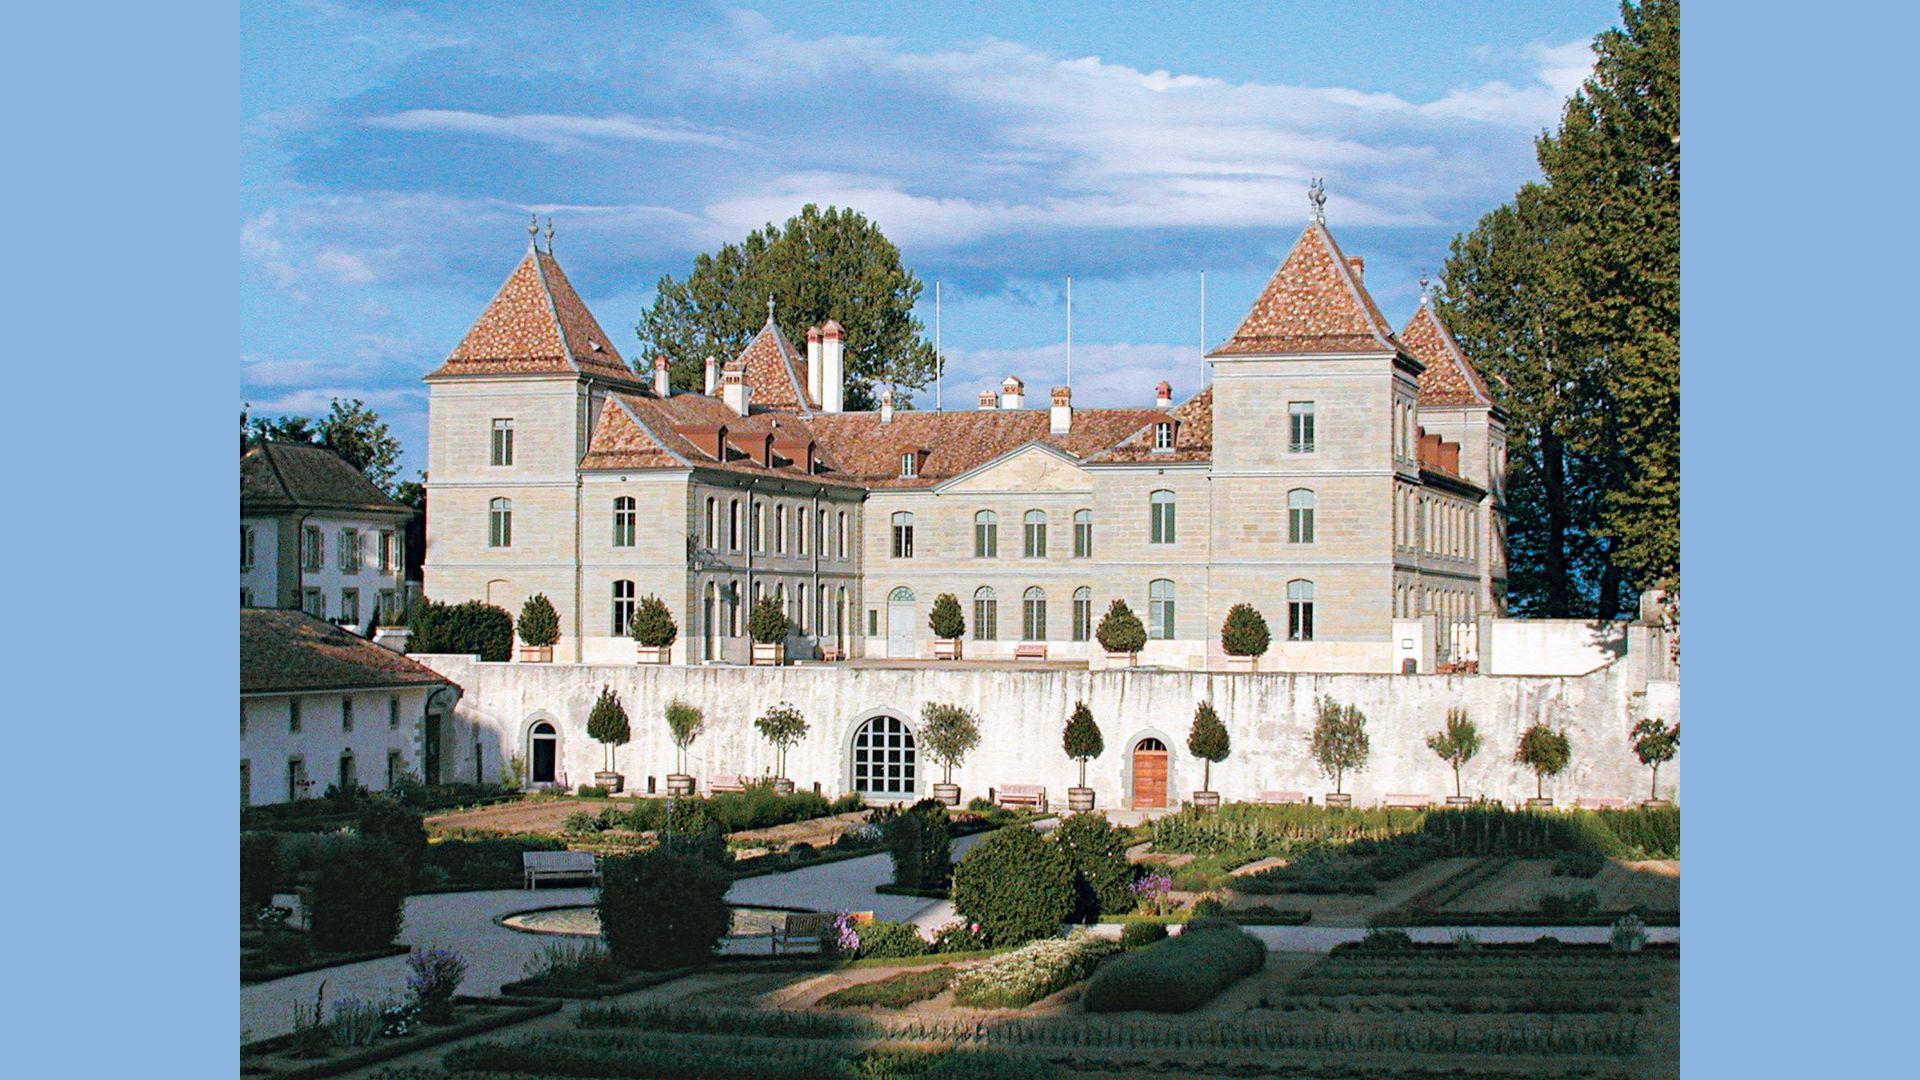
x: 769, y: 307
x: 549, y: 235
x: 1317, y: 195
x: 533, y: 232
x: 1426, y: 290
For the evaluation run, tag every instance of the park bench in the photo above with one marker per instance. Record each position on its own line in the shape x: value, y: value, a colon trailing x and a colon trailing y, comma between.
x: 829, y: 654
x: 1031, y: 651
x: 801, y: 929
x: 1406, y: 802
x: 733, y: 782
x: 538, y: 866
x: 1017, y: 795
x: 1600, y: 803
x: 1282, y: 798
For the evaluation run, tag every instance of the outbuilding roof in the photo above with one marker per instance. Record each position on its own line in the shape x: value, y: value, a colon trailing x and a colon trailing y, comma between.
x: 277, y: 477
x: 283, y: 651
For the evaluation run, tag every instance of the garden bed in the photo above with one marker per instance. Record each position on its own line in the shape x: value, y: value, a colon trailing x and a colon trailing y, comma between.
x: 616, y: 981
x: 907, y: 890
x: 472, y: 1016
x: 1257, y: 916
x: 267, y: 972
x: 1521, y: 918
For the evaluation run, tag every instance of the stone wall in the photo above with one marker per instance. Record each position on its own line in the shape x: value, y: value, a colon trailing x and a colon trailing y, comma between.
x: 1270, y: 718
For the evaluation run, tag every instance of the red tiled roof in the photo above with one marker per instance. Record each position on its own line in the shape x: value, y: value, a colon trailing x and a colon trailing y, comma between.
x: 777, y: 374
x: 1192, y: 435
x: 282, y: 651
x: 639, y: 431
x: 1450, y: 378
x: 1314, y: 303
x: 536, y: 323
x: 862, y: 449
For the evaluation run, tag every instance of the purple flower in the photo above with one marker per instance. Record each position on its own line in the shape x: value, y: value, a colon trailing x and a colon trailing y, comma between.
x: 849, y: 938
x: 1153, y: 886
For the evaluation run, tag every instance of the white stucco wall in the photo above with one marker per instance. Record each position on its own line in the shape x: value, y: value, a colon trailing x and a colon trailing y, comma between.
x: 1270, y: 718
x: 267, y: 741
x: 1554, y: 646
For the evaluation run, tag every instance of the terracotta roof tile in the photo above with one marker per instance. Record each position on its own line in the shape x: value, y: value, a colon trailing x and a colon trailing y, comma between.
x: 638, y: 431
x: 1450, y: 378
x: 863, y: 449
x: 777, y: 374
x: 287, y: 476
x: 1192, y: 435
x: 291, y: 650
x: 536, y: 323
x: 1314, y: 303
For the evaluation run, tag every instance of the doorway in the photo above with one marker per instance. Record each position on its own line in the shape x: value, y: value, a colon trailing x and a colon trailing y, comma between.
x: 900, y: 605
x: 543, y: 753
x: 430, y: 750
x: 1149, y: 774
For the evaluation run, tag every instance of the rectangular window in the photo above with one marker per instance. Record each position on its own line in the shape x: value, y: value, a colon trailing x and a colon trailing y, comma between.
x: 986, y: 539
x: 903, y: 537
x: 296, y: 779
x: 384, y: 604
x: 1161, y: 524
x: 1299, y: 620
x: 393, y: 713
x: 800, y: 530
x: 759, y: 527
x: 503, y: 441
x: 314, y: 603
x: 350, y: 606
x: 1160, y: 619
x: 246, y: 782
x: 348, y: 777
x: 246, y: 547
x: 246, y: 597
x: 909, y: 464
x: 346, y: 714
x: 293, y: 715
x: 840, y: 544
x: 387, y: 554
x: 1033, y: 620
x: 396, y: 765
x: 1083, y: 535
x: 873, y: 622
x: 1300, y: 427
x: 733, y: 525
x: 1035, y: 538
x: 313, y: 549
x: 1163, y: 436
x: 1300, y: 525
x: 350, y: 550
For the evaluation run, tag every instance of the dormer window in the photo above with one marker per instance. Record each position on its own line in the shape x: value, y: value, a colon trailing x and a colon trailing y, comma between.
x: 909, y: 465
x: 1163, y: 435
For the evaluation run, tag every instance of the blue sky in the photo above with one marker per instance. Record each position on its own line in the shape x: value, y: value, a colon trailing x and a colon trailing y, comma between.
x: 390, y: 155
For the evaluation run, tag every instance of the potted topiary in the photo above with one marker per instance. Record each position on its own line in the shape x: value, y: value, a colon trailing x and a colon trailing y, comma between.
x: 607, y: 725
x: 539, y: 629
x: 1244, y: 637
x: 1208, y: 741
x: 653, y: 631
x: 948, y: 624
x: 1121, y: 634
x: 1339, y: 744
x: 684, y: 723
x: 1655, y: 744
x: 1082, y: 742
x: 1546, y: 752
x: 1456, y: 746
x: 782, y: 725
x: 768, y: 626
x: 950, y: 734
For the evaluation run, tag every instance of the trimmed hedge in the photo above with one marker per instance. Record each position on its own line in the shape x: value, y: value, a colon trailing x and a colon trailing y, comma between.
x: 1102, y: 876
x: 659, y: 910
x: 1179, y: 974
x: 1017, y: 885
x: 359, y: 895
x: 481, y: 864
x: 471, y: 628
x: 889, y: 939
x: 259, y: 871
x: 384, y: 818
x: 758, y: 807
x: 1031, y: 972
x: 1256, y: 829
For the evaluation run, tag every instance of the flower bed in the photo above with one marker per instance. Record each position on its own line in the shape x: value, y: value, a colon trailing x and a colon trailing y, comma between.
x: 1031, y: 972
x: 291, y: 1057
x: 892, y: 992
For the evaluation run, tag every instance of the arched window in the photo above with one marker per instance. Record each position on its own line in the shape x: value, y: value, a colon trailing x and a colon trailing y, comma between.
x: 500, y: 523
x: 902, y: 535
x: 1033, y: 615
x: 733, y: 525
x: 713, y: 521
x: 986, y: 534
x: 1300, y: 516
x: 986, y: 610
x: 780, y: 529
x: 623, y: 606
x: 1299, y: 610
x: 1083, y: 534
x: 840, y: 544
x: 544, y: 753
x: 733, y: 609
x: 884, y: 759
x: 1160, y: 524
x: 780, y: 594
x: 799, y: 532
x: 759, y: 526
x: 623, y: 521
x: 1036, y: 534
x: 1082, y: 613
x: 1160, y: 609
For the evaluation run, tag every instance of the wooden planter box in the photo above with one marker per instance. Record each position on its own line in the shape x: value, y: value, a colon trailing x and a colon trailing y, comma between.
x: 1123, y: 659
x: 1335, y: 798
x: 1243, y: 663
x: 769, y: 655
x: 1080, y: 799
x: 679, y: 784
x: 612, y: 781
x: 782, y: 786
x: 653, y: 654
x: 536, y: 654
x: 1459, y: 800
x: 1207, y: 800
x: 947, y: 793
x: 947, y: 648
x: 1540, y: 804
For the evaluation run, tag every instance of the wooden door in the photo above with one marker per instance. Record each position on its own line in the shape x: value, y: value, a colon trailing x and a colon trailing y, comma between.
x: 1149, y: 774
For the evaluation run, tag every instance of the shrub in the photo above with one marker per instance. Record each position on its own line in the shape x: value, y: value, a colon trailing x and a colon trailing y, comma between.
x: 574, y: 963
x: 1647, y: 832
x: 921, y: 843
x: 690, y: 830
x: 356, y: 1023
x: 949, y: 732
x: 1029, y: 973
x: 1209, y: 907
x: 684, y: 724
x: 1016, y: 885
x: 652, y: 624
x: 1097, y: 852
x: 358, y: 897
x: 259, y: 871
x: 783, y: 725
x: 1120, y: 630
x: 1340, y: 743
x: 768, y: 624
x: 1081, y: 738
x: 1456, y: 743
x: 539, y: 624
x: 1493, y: 830
x: 1629, y: 934
x: 659, y: 910
x: 1579, y: 864
x: 1580, y: 904
x: 1245, y: 632
x: 487, y: 863
x: 945, y: 620
x: 471, y: 628
x: 1655, y: 744
x: 593, y: 791
x: 847, y: 803
x: 1382, y: 939
x: 802, y: 852
x: 607, y: 723
x: 1179, y: 974
x: 1208, y: 741
x: 432, y: 977
x: 1546, y: 752
x: 1136, y: 934
x: 581, y: 823
x: 890, y: 939
x: 1254, y: 830
x: 387, y: 819
x: 959, y: 936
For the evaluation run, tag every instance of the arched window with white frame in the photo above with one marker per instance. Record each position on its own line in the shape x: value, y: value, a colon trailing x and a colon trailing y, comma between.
x: 1033, y: 614
x: 1160, y: 609
x: 986, y: 535
x: 500, y: 523
x: 1299, y: 610
x: 1300, y: 516
x: 624, y: 604
x: 1161, y: 517
x: 986, y: 612
x: 1035, y: 535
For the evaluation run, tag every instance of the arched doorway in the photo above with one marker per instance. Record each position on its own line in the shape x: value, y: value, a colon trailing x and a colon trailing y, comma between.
x: 885, y: 759
x: 543, y: 754
x: 1149, y: 774
x: 900, y: 605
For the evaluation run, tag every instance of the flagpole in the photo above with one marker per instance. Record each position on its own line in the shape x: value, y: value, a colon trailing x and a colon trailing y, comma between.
x: 1069, y: 331
x: 939, y: 360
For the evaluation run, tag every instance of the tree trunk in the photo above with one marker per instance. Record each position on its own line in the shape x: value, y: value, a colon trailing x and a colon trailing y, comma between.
x: 1456, y: 781
x: 1608, y: 602
x: 1206, y: 775
x: 1539, y: 785
x: 1083, y: 772
x: 1655, y: 792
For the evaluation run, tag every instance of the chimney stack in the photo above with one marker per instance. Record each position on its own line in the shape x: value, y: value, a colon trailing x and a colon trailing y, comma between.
x: 713, y: 375
x: 989, y: 399
x: 833, y: 369
x: 1359, y: 267
x: 662, y: 381
x: 813, y: 364
x: 734, y: 389
x: 1013, y: 393
x: 1062, y: 410
x: 1163, y: 395
x: 886, y: 405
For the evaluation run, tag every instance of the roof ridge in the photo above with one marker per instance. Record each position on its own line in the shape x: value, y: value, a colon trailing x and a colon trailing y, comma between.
x: 279, y: 477
x: 553, y: 309
x: 1357, y: 289
x: 634, y: 415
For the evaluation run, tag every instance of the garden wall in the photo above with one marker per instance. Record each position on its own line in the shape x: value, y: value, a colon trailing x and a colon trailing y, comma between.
x: 1270, y: 718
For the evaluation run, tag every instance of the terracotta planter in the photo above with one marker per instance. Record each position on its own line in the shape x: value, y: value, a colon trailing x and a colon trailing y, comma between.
x: 947, y: 793
x: 782, y: 786
x: 1122, y: 659
x: 769, y: 655
x: 1540, y: 804
x: 679, y: 784
x: 1459, y: 800
x: 947, y: 649
x: 1207, y: 800
x: 1336, y: 798
x: 1243, y: 663
x: 536, y: 654
x: 612, y: 781
x: 1079, y: 799
x: 652, y: 654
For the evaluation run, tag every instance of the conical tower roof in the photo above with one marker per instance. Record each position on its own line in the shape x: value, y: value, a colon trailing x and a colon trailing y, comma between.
x: 1314, y: 303
x: 1450, y: 378
x: 535, y: 324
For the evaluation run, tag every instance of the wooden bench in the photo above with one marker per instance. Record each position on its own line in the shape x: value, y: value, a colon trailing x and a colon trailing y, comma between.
x: 1406, y: 802
x: 1599, y: 803
x: 800, y: 930
x: 1032, y: 651
x: 732, y: 783
x: 1282, y: 798
x: 1019, y: 795
x: 830, y: 654
x: 538, y: 866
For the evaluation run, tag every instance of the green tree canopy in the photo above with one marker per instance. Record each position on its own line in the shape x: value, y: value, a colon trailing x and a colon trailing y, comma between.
x: 949, y: 732
x: 783, y: 725
x: 1457, y: 743
x: 1082, y: 739
x: 1208, y: 741
x: 1546, y: 752
x: 946, y: 620
x: 1340, y: 743
x: 684, y: 724
x: 607, y: 723
x: 652, y: 624
x: 1120, y: 630
x: 1245, y: 632
x: 768, y: 624
x: 349, y: 429
x: 1655, y: 744
x: 539, y: 624
x: 821, y: 265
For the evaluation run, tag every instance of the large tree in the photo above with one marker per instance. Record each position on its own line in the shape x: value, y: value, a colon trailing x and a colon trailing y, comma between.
x: 823, y: 264
x: 349, y: 429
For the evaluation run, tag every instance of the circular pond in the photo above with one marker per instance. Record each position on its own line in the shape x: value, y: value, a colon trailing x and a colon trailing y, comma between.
x: 584, y: 921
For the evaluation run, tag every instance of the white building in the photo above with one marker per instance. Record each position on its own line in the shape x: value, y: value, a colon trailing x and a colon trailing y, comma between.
x: 318, y: 536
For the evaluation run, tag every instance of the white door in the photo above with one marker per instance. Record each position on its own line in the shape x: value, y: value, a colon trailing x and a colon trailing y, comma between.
x: 900, y: 622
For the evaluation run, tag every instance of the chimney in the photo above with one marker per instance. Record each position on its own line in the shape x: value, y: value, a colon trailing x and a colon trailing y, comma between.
x: 813, y: 363
x: 1359, y: 267
x: 989, y: 399
x: 713, y: 375
x: 886, y: 405
x: 1013, y: 393
x: 1163, y: 395
x: 734, y: 390
x: 662, y: 382
x: 833, y: 369
x: 1062, y: 410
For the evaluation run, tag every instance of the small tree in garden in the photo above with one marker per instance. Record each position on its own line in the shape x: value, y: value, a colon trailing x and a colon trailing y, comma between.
x: 1102, y: 877
x: 949, y: 733
x: 1082, y: 738
x: 1016, y: 885
x: 684, y: 724
x: 1655, y: 744
x: 652, y: 624
x: 659, y: 910
x: 1339, y: 740
x: 1245, y: 632
x: 1546, y: 752
x: 768, y: 624
x: 1120, y: 630
x: 946, y: 620
x: 1457, y: 744
x: 607, y: 723
x: 384, y: 817
x: 784, y: 726
x: 1208, y: 741
x: 539, y: 624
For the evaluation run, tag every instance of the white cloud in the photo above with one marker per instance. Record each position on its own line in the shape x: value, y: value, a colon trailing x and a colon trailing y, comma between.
x: 344, y: 266
x: 556, y: 132
x: 1105, y: 374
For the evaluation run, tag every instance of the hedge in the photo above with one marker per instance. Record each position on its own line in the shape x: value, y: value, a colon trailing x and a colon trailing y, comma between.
x: 1179, y: 974
x: 471, y: 628
x: 1102, y: 876
x: 889, y: 939
x: 1029, y: 973
x: 259, y: 871
x: 481, y: 864
x: 359, y: 895
x: 1017, y: 885
x: 659, y: 910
